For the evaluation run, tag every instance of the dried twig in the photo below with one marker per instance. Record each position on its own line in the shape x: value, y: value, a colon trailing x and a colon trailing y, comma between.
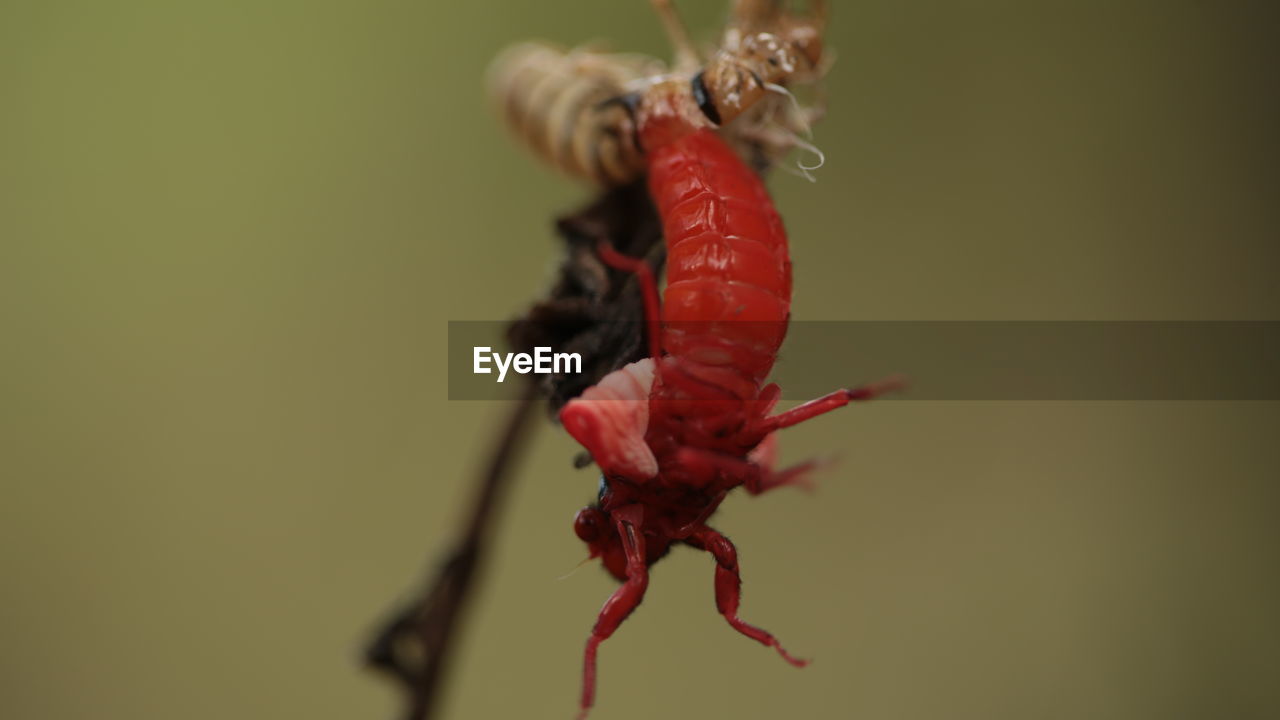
x: 413, y: 646
x: 592, y: 310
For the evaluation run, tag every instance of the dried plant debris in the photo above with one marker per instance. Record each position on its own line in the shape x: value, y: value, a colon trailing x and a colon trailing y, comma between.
x: 594, y: 310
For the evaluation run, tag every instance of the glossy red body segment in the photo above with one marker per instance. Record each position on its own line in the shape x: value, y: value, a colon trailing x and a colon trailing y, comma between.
x: 727, y: 301
x: 727, y: 256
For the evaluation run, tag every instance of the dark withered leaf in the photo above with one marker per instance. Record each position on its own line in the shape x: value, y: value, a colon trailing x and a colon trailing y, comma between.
x: 592, y: 309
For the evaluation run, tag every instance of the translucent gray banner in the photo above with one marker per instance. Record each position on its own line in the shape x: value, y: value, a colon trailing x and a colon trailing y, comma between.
x: 1020, y: 360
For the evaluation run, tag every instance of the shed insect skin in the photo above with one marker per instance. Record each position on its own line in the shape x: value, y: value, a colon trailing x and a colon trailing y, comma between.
x: 566, y: 105
x: 572, y: 106
x: 762, y: 50
x: 675, y: 433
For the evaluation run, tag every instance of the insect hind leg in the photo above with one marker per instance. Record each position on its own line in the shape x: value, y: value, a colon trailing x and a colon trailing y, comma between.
x: 648, y: 289
x: 831, y: 401
x: 729, y: 589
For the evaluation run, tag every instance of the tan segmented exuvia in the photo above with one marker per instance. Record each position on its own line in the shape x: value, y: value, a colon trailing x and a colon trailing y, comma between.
x: 565, y: 105
x: 571, y: 106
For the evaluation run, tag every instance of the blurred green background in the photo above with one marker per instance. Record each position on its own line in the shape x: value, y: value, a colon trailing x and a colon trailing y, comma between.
x: 231, y: 235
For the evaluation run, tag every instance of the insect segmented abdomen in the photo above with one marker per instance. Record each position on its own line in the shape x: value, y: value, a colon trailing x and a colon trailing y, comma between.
x: 728, y: 292
x: 567, y: 106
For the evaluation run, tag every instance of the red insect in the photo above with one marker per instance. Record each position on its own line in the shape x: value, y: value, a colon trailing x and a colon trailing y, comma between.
x: 673, y: 434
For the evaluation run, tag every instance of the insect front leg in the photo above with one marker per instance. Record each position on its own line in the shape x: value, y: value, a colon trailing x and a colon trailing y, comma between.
x: 619, y: 605
x: 729, y: 588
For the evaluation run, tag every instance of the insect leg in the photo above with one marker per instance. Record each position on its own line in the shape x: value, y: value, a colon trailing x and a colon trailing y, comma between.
x: 752, y: 14
x: 755, y: 474
x: 687, y: 58
x: 797, y: 475
x: 705, y: 467
x: 818, y: 11
x: 765, y: 455
x: 729, y: 588
x: 616, y: 608
x: 648, y: 288
x: 832, y: 401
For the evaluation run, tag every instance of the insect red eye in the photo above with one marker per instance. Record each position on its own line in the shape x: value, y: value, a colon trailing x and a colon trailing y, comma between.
x: 587, y: 524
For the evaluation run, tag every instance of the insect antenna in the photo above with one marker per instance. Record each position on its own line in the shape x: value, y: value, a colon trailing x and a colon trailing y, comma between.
x: 575, y: 568
x: 795, y: 110
x: 805, y: 170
